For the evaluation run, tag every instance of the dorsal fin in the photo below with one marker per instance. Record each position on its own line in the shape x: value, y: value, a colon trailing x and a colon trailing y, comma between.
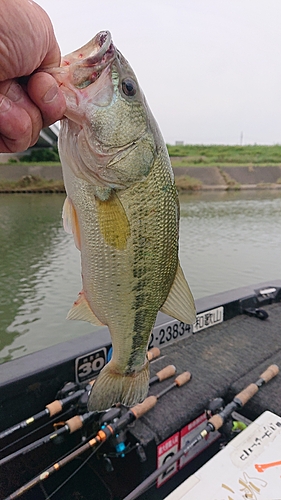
x: 180, y: 303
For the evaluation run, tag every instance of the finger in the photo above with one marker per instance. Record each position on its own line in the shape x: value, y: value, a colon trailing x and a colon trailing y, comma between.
x: 15, y: 127
x: 26, y: 33
x: 46, y: 94
x: 17, y: 95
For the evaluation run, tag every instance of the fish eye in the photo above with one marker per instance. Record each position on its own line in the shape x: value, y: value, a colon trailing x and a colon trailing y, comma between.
x: 129, y: 87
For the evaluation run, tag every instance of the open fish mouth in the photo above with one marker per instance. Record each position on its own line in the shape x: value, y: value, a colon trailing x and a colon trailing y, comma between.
x: 84, y: 66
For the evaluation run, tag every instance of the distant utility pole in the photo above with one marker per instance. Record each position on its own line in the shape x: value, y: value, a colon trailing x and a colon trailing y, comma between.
x: 241, y: 139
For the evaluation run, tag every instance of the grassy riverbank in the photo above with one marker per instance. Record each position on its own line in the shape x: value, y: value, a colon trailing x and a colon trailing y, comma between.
x: 200, y: 155
x: 196, y: 167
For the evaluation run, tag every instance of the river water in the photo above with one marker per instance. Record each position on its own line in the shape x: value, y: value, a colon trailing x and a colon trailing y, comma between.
x: 227, y: 240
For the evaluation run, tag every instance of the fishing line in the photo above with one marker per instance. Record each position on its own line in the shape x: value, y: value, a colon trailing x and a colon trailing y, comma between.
x: 106, y: 431
x: 73, y: 473
x: 167, y: 372
x: 180, y: 380
x: 72, y: 424
x: 44, y: 491
x: 50, y: 422
x: 61, y: 458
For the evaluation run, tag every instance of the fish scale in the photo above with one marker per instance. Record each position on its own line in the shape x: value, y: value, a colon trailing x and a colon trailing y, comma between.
x: 122, y: 208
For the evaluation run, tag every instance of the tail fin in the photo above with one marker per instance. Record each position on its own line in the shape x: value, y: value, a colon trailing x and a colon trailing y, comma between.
x: 111, y: 388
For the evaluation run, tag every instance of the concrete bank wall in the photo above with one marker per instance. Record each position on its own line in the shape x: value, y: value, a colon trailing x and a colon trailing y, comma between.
x: 226, y: 177
x: 14, y: 172
x: 210, y: 177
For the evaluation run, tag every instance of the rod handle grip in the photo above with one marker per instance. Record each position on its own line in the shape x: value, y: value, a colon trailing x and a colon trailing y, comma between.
x: 153, y: 353
x: 142, y: 408
x: 166, y: 372
x: 74, y: 423
x: 251, y: 390
x: 183, y: 378
x: 216, y: 421
x: 270, y: 373
x: 247, y: 393
x: 54, y: 407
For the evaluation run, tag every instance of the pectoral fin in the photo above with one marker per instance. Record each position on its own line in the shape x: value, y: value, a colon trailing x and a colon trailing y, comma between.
x: 70, y: 222
x: 180, y: 303
x: 82, y: 311
x: 113, y: 222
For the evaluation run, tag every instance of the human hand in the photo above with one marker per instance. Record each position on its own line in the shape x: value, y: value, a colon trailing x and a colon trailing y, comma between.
x: 27, y: 43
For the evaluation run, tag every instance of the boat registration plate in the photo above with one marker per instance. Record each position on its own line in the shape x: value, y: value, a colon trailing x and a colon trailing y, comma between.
x: 176, y: 330
x: 168, y: 333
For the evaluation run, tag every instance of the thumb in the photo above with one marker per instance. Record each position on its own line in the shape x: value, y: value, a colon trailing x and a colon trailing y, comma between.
x: 44, y: 91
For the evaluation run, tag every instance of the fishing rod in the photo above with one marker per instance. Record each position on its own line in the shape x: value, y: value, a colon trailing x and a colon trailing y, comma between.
x: 73, y: 424
x: 107, y: 430
x: 213, y: 424
x: 50, y: 410
x: 78, y: 421
x: 56, y: 406
x: 167, y: 372
x: 153, y: 353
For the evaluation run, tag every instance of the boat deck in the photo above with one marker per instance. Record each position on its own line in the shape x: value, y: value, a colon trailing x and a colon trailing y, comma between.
x: 222, y: 360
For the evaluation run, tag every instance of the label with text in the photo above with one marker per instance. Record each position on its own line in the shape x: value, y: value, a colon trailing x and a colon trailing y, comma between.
x: 168, y: 333
x: 208, y: 318
x: 88, y: 367
x: 165, y: 451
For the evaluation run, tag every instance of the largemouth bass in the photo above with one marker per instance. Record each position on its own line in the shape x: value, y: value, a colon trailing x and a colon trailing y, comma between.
x: 122, y: 208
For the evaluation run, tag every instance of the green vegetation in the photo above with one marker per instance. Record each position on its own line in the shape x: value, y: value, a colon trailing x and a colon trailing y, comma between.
x: 30, y: 183
x: 41, y: 155
x: 187, y: 183
x: 216, y: 156
x: 200, y: 155
x: 13, y: 161
x: 231, y: 183
x: 187, y: 155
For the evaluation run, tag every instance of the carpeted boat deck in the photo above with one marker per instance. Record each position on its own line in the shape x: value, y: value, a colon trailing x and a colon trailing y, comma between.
x: 223, y: 360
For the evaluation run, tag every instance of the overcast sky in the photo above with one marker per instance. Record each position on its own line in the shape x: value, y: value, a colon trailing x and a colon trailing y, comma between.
x: 210, y: 69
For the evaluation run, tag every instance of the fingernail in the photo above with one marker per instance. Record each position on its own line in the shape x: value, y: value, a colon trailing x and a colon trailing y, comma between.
x: 5, y: 104
x: 15, y: 92
x: 51, y: 94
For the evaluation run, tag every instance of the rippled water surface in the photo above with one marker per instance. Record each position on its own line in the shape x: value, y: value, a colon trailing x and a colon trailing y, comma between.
x: 227, y: 240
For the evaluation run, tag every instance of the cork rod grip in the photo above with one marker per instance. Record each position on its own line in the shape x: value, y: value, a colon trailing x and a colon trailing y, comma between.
x: 74, y: 423
x: 251, y: 390
x: 216, y: 421
x: 247, y: 393
x: 269, y: 373
x: 54, y: 407
x: 142, y: 408
x: 167, y: 372
x: 183, y: 378
x: 153, y: 353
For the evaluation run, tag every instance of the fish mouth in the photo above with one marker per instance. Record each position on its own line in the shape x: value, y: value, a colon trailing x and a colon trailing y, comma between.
x: 84, y: 66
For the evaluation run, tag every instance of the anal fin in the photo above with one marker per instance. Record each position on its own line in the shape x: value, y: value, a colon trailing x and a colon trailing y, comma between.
x: 180, y: 303
x: 82, y: 311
